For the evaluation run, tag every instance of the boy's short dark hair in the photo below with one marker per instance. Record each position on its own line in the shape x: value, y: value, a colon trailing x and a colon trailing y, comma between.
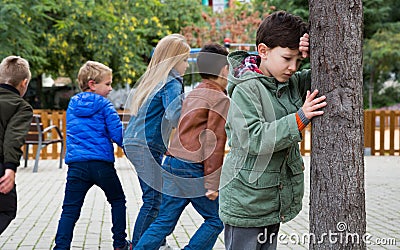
x: 211, y: 59
x: 281, y: 29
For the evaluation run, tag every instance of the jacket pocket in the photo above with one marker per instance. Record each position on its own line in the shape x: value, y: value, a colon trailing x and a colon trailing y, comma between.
x: 295, y: 161
x: 253, y: 198
x: 297, y: 189
x: 296, y: 166
x: 295, y: 183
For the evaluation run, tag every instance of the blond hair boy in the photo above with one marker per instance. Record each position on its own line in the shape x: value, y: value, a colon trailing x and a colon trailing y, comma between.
x: 93, y: 125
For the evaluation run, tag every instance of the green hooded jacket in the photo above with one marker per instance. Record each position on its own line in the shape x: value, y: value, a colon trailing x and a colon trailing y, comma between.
x: 262, y: 180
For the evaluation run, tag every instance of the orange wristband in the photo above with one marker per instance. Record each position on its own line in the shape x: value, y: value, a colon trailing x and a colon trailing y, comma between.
x: 300, y: 124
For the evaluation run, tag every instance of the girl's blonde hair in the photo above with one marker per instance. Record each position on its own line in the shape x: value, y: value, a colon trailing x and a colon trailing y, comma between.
x: 92, y: 70
x: 169, y: 51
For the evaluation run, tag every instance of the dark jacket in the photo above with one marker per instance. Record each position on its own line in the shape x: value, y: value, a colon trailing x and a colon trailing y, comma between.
x: 200, y: 136
x: 15, y: 118
x: 93, y: 125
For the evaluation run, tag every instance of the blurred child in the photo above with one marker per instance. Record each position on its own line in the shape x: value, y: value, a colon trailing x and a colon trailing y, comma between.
x: 93, y: 125
x: 155, y: 110
x: 195, y: 156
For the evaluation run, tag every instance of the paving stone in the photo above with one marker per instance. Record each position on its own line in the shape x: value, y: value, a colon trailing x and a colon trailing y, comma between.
x: 40, y: 197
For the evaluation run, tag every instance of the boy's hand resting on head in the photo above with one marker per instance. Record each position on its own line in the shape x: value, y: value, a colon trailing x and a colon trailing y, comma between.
x: 212, y: 195
x: 312, y: 104
x: 304, y: 45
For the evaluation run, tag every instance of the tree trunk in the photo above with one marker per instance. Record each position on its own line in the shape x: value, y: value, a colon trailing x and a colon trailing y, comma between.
x: 337, y: 199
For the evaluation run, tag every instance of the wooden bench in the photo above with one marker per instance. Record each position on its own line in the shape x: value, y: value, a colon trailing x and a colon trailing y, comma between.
x: 41, y: 137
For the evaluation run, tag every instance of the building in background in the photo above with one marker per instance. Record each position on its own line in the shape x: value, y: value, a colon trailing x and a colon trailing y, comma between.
x: 220, y: 5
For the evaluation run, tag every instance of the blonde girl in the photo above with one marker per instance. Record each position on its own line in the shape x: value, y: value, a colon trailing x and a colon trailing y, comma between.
x: 155, y: 110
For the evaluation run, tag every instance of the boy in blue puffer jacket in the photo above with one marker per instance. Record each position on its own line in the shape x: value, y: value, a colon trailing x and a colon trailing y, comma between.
x: 93, y: 125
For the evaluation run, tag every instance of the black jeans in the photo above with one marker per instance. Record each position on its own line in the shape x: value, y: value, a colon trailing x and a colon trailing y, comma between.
x: 8, y: 208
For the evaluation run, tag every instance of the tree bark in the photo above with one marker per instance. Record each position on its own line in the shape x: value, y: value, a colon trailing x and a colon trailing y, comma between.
x: 337, y: 199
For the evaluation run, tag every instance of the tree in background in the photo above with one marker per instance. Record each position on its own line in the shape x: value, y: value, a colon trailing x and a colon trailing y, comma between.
x: 238, y: 23
x: 22, y: 26
x: 337, y: 194
x: 118, y: 33
x: 381, y: 57
x: 57, y: 38
x: 296, y: 7
x: 375, y: 15
x: 103, y: 31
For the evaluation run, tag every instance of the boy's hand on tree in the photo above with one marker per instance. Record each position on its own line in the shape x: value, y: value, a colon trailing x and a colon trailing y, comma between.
x: 7, y: 181
x: 304, y: 45
x: 312, y: 104
x: 212, y: 195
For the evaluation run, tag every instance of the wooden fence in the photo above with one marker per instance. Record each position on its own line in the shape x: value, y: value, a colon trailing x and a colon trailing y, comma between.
x: 381, y: 133
x: 58, y: 118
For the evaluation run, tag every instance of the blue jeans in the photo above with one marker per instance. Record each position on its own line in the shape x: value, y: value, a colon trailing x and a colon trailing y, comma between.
x: 173, y: 206
x: 81, y: 177
x: 147, y: 164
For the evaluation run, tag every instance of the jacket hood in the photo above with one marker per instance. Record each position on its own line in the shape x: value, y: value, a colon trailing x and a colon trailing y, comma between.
x: 236, y: 60
x: 86, y: 104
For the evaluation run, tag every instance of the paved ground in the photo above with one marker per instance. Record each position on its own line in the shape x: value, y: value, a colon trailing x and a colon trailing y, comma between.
x: 41, y: 194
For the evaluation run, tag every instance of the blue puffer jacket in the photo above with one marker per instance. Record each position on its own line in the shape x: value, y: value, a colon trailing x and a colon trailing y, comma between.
x: 93, y: 125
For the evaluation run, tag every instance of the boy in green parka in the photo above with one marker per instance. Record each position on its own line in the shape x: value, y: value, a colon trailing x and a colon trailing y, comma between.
x: 262, y: 180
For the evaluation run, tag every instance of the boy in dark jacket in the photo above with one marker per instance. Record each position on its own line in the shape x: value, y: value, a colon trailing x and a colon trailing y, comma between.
x: 15, y: 117
x: 93, y: 125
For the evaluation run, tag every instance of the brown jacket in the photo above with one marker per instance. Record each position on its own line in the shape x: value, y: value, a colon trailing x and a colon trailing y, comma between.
x: 200, y: 135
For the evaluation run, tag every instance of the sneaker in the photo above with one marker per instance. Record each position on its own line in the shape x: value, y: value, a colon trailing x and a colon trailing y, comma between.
x: 168, y: 247
x: 128, y: 246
